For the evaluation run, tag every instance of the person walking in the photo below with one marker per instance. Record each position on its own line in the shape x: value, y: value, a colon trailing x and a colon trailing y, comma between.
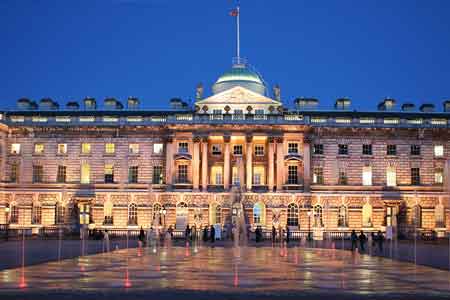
x: 141, y: 237
x: 362, y: 241
x: 170, y: 231
x: 212, y: 234
x: 288, y: 233
x: 380, y: 240
x: 205, y: 234
x: 354, y: 239
x: 106, y: 240
x: 274, y: 234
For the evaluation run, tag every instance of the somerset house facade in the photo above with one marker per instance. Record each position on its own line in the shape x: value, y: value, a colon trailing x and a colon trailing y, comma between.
x: 116, y: 166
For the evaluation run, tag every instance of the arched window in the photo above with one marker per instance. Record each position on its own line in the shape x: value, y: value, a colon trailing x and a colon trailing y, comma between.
x: 182, y: 215
x: 417, y: 216
x: 439, y: 213
x: 156, y: 217
x: 215, y: 211
x: 343, y: 216
x: 132, y: 214
x: 318, y: 222
x: 367, y: 215
x: 259, y: 213
x: 59, y: 213
x: 36, y: 213
x: 108, y: 212
x: 14, y: 214
x: 292, y: 215
x: 182, y: 209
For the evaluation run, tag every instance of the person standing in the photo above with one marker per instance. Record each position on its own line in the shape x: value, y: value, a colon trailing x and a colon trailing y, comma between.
x: 170, y: 231
x: 288, y: 233
x: 187, y: 233
x: 212, y: 234
x: 274, y: 234
x: 354, y: 239
x: 106, y: 240
x: 362, y: 241
x: 205, y: 234
x: 380, y: 240
x: 142, y: 236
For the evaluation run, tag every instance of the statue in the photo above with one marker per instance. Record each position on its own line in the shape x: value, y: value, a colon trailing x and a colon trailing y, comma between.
x: 199, y: 92
x: 277, y: 92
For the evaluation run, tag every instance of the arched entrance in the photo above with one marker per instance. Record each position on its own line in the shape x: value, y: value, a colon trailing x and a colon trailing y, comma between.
x: 181, y: 215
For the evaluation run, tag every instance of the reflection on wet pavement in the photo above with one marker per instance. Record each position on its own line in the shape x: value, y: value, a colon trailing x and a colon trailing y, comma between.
x: 229, y: 270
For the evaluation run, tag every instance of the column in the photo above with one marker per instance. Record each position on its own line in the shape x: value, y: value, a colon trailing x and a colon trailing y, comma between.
x: 205, y: 164
x: 226, y: 162
x: 306, y: 163
x: 3, y: 157
x: 196, y: 164
x: 249, y: 164
x: 447, y: 176
x: 271, y: 167
x: 169, y: 160
x: 280, y: 164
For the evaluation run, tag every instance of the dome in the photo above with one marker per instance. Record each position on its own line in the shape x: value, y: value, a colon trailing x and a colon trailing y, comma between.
x: 239, y: 75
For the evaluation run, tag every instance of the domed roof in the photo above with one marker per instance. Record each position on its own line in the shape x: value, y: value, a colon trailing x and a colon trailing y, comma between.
x: 239, y: 75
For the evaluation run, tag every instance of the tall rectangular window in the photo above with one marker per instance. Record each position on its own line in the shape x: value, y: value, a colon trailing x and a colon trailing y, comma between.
x: 133, y: 148
x: 343, y: 149
x: 110, y: 148
x: 182, y: 174
x: 367, y: 175
x: 391, y: 149
x: 318, y: 149
x: 259, y: 150
x: 258, y: 175
x: 292, y: 175
x: 318, y: 175
x: 158, y: 148
x: 391, y: 176
x: 15, y: 149
x: 14, y: 172
x: 62, y: 149
x: 217, y: 175
x: 238, y: 114
x: 38, y: 174
x: 342, y: 180
x: 85, y: 148
x: 216, y: 149
x: 438, y: 150
x: 438, y: 176
x: 235, y: 176
x: 415, y: 176
x: 415, y: 149
x: 367, y: 149
x: 158, y: 177
x: 85, y: 173
x: 292, y: 148
x: 237, y: 150
x: 38, y: 148
x: 133, y: 174
x: 183, y: 147
x: 61, y: 175
x: 109, y: 173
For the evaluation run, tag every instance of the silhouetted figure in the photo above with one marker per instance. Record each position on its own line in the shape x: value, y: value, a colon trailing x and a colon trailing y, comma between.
x: 354, y: 239
x: 274, y: 234
x: 170, y: 231
x: 362, y: 241
x: 187, y: 233
x: 142, y: 236
x: 205, y: 234
x: 380, y: 240
x: 212, y: 234
x: 258, y: 234
x: 288, y: 233
x: 374, y: 240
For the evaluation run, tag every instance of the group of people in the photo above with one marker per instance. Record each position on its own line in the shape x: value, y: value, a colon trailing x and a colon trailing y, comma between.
x: 377, y: 241
x: 283, y: 234
x: 191, y: 233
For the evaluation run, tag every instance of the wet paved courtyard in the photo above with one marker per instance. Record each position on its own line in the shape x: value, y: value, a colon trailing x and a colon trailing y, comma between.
x: 226, y: 273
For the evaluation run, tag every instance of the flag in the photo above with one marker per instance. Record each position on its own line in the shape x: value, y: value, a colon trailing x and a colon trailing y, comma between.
x: 234, y: 12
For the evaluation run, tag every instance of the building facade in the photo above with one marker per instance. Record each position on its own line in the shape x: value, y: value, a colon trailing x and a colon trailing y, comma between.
x: 328, y: 171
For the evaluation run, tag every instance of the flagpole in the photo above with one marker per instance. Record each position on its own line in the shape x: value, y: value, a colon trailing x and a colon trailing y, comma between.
x: 238, y: 37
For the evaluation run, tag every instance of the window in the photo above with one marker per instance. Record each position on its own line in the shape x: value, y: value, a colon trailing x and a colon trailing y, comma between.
x: 439, y: 212
x: 259, y: 114
x: 156, y: 214
x: 391, y: 150
x: 62, y: 149
x: 235, y: 176
x: 258, y: 175
x: 62, y: 119
x: 215, y: 213
x: 85, y: 173
x: 367, y: 175
x: 438, y: 150
x: 59, y: 213
x: 158, y: 148
x: 367, y: 215
x: 258, y: 213
x: 415, y: 149
x: 108, y: 212
x: 216, y: 175
x: 417, y: 215
x: 342, y: 216
x: 391, y: 176
x: 61, y: 175
x: 415, y: 176
x: 14, y: 172
x: 342, y: 180
x: 109, y: 173
x: 342, y: 149
x: 39, y: 119
x: 317, y: 213
x: 110, y: 148
x: 133, y: 148
x: 367, y: 149
x: 132, y: 214
x: 292, y: 214
x: 86, y: 148
x: 216, y: 149
x: 38, y: 148
x: 292, y: 175
x: 158, y: 177
x: 318, y: 175
x: 133, y: 174
x: 14, y: 214
x: 259, y: 150
x: 438, y: 176
x: 85, y: 213
x: 87, y: 119
x: 238, y: 114
x: 318, y: 149
x: 15, y: 149
x: 36, y: 213
x: 38, y: 174
x: 182, y: 173
x: 183, y: 147
x: 237, y: 150
x: 292, y: 148
x: 110, y: 119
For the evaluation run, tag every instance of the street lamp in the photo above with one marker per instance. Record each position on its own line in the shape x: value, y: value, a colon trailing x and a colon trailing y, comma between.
x: 309, y: 225
x: 163, y: 212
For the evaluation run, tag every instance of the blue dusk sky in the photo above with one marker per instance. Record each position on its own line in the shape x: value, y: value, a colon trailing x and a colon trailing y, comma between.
x: 159, y: 49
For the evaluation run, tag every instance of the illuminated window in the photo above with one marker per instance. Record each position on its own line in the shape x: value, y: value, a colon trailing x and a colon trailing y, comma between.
x: 132, y: 214
x: 62, y: 119
x: 417, y: 216
x: 235, y: 176
x: 134, y: 119
x: 39, y: 148
x: 342, y: 180
x: 59, y: 213
x: 292, y: 148
x: 39, y: 119
x: 343, y: 216
x: 216, y: 175
x: 258, y: 175
x: 318, y: 175
x: 237, y: 150
x: 259, y: 212
x: 438, y: 150
x: 36, y: 213
x: 158, y: 148
x: 133, y: 148
x: 15, y: 149
x: 108, y: 212
x: 87, y: 119
x: 85, y: 148
x: 415, y: 150
x: 38, y: 174
x: 259, y: 150
x: 366, y: 120
x: 292, y: 175
x: 62, y: 148
x: 292, y: 214
x: 391, y: 176
x: 18, y: 119
x: 110, y: 119
x: 367, y: 215
x: 182, y: 174
x: 438, y: 176
x: 14, y: 214
x: 183, y: 147
x: 109, y: 173
x: 158, y: 177
x: 367, y: 175
x: 317, y: 214
x: 61, y: 175
x: 110, y: 148
x: 85, y: 173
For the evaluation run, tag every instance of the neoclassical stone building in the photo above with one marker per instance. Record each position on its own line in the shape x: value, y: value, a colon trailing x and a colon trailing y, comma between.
x: 325, y: 170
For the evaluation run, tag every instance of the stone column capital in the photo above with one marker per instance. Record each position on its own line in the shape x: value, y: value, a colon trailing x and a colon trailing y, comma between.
x: 196, y: 139
x: 226, y: 138
x: 204, y: 139
x: 279, y: 139
x: 307, y: 139
x: 248, y: 138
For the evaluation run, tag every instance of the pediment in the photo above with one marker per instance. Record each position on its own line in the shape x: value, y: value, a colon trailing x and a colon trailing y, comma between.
x: 238, y: 95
